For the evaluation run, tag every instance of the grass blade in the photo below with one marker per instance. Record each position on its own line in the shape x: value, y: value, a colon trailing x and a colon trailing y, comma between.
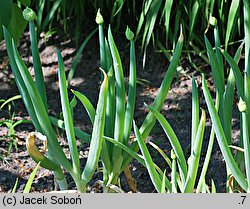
x: 221, y: 138
x: 162, y: 153
x: 213, y: 187
x: 78, y: 55
x: 149, y: 26
x: 49, y: 15
x: 10, y: 100
x: 98, y: 133
x: 193, y: 17
x: 202, y: 180
x: 68, y: 120
x: 237, y: 73
x: 120, y: 103
x: 87, y: 105
x: 163, y: 182
x: 195, y: 155
x: 146, y: 6
x: 173, y: 140
x: 231, y: 20
x: 120, y: 89
x: 80, y: 134
x: 127, y: 150
x: 246, y: 10
x: 218, y: 74
x: 155, y: 178
x: 165, y: 85
x: 167, y: 11
x: 246, y: 146
x: 195, y: 112
x: 31, y: 178
x: 40, y: 12
x: 228, y: 98
x: 217, y: 50
x: 111, y: 107
x: 174, y: 173
x: 15, y: 186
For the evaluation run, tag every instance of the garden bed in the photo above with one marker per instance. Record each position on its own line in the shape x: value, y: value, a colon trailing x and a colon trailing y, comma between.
x: 177, y: 109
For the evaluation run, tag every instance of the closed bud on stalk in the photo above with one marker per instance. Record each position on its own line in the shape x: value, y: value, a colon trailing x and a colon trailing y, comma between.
x: 29, y: 14
x: 173, y: 156
x: 242, y: 105
x: 212, y: 20
x: 129, y: 34
x: 99, y: 18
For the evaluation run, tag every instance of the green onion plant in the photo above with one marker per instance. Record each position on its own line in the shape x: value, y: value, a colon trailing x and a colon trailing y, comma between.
x: 184, y: 171
x: 117, y: 149
x: 35, y: 103
x: 120, y: 111
x: 237, y: 164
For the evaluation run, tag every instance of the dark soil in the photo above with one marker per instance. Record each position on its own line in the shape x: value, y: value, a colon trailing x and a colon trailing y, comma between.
x: 177, y: 109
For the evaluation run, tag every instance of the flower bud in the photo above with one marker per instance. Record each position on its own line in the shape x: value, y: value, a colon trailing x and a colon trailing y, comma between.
x: 212, y: 20
x: 29, y: 14
x: 173, y: 156
x: 99, y: 18
x: 129, y: 34
x: 242, y: 105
